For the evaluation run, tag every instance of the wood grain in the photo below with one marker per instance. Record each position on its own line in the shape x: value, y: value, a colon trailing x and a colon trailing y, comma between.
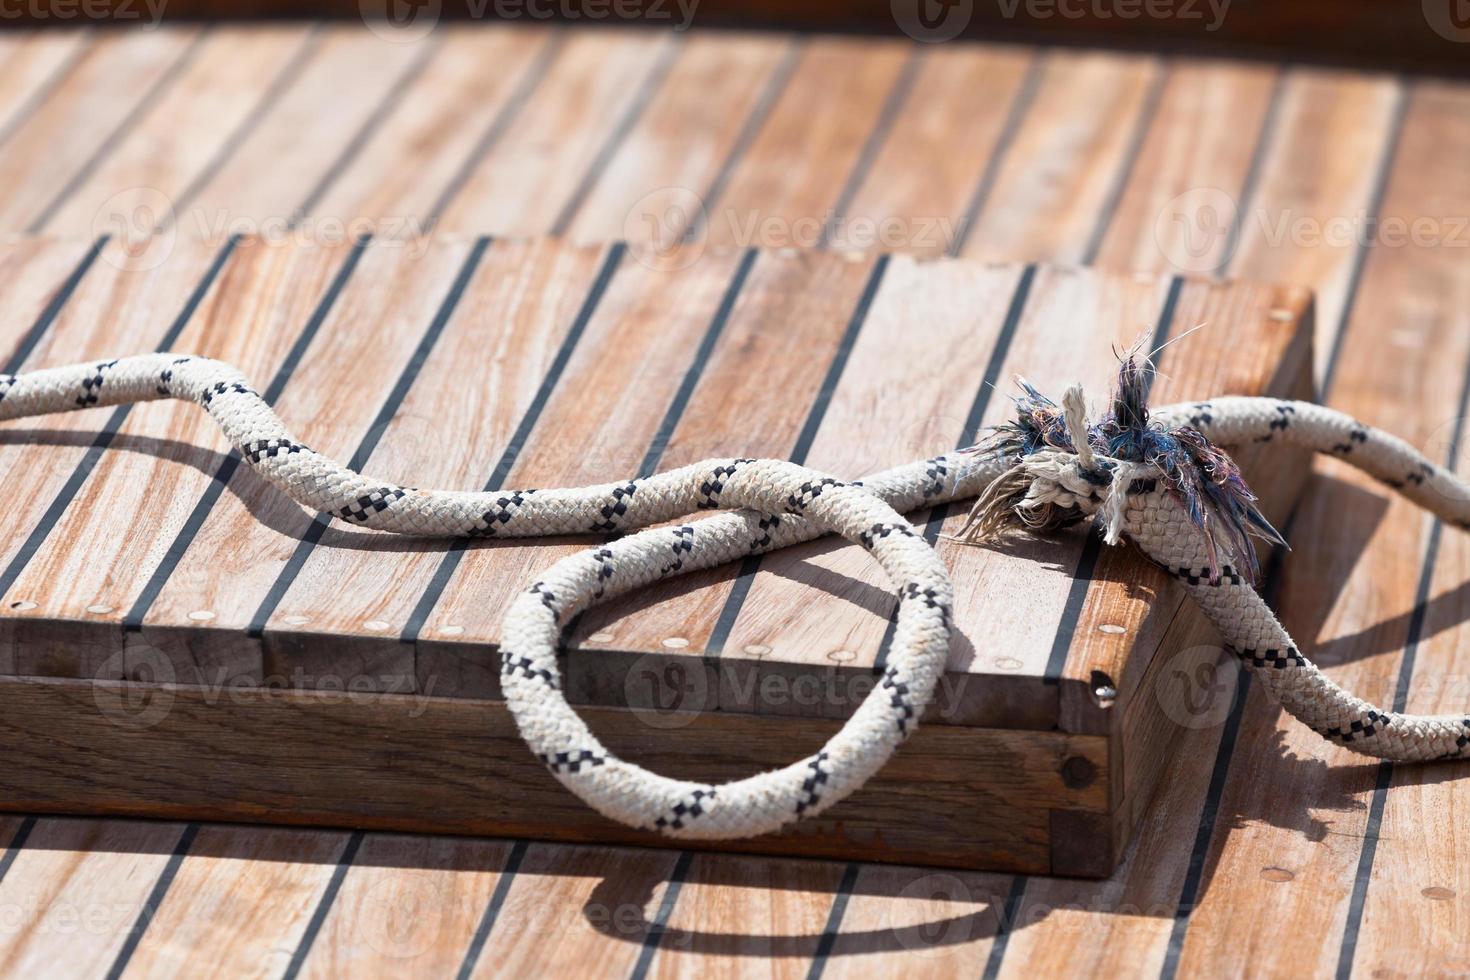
x: 1197, y: 158
x: 263, y: 186
x: 1299, y: 808
x: 928, y: 172
x: 171, y: 452
x: 783, y: 191
x: 149, y: 175
x: 671, y: 162
x: 240, y: 901
x: 249, y: 535
x: 401, y: 179
x: 572, y: 906
x: 411, y: 906
x: 1326, y: 153
x: 50, y: 146
x: 527, y: 180
x: 1069, y: 155
x: 75, y: 891
x: 396, y: 762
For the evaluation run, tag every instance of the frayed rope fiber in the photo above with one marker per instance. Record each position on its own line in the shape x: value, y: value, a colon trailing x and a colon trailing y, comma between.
x: 1158, y: 478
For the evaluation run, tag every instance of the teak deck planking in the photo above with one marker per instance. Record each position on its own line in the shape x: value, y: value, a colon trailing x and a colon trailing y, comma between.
x: 1070, y: 924
x: 605, y: 351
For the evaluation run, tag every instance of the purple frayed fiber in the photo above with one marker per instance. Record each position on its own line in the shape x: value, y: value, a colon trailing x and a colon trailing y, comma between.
x: 1201, y: 476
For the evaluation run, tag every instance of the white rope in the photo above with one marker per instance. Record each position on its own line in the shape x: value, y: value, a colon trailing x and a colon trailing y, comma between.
x: 771, y: 504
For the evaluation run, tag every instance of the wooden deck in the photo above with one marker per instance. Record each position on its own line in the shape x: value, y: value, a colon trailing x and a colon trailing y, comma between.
x: 1266, y: 850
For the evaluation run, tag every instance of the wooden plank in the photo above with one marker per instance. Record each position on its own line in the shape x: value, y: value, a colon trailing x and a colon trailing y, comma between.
x: 75, y: 890
x: 1053, y: 190
x: 615, y: 890
x: 275, y: 175
x: 533, y: 291
x: 242, y: 897
x: 248, y: 536
x: 32, y: 64
x: 672, y: 161
x: 395, y: 762
x: 412, y: 905
x: 526, y: 182
x: 251, y: 319
x: 824, y: 604
x: 615, y: 388
x: 791, y: 178
x: 1412, y: 888
x: 1128, y: 604
x: 816, y: 298
x: 931, y: 170
x: 110, y: 305
x: 1196, y: 161
x: 709, y: 931
x: 897, y: 919
x: 1299, y: 806
x: 474, y: 82
x: 78, y: 117
x: 149, y: 173
x: 1328, y: 148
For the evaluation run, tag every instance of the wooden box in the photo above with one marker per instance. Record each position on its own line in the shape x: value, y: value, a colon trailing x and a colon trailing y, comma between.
x: 177, y: 640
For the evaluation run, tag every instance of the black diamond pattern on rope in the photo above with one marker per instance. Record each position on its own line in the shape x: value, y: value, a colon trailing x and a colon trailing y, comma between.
x: 809, y: 491
x: 224, y: 388
x: 603, y: 557
x: 92, y: 386
x: 1201, y: 416
x: 1278, y: 659
x: 877, y: 531
x: 767, y: 524
x: 369, y: 504
x: 1356, y: 436
x: 1367, y: 727
x: 512, y: 664
x: 613, y: 512
x: 1201, y: 576
x: 928, y: 596
x: 572, y: 761
x: 270, y: 449
x: 711, y: 488
x: 934, y: 473
x: 899, y: 698
x: 682, y: 546
x: 813, y: 785
x: 682, y: 812
x: 500, y: 515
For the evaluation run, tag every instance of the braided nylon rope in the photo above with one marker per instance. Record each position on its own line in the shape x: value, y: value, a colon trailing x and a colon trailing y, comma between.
x: 768, y: 505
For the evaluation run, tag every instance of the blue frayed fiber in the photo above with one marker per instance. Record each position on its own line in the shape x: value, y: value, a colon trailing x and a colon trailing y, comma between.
x: 1202, y: 476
